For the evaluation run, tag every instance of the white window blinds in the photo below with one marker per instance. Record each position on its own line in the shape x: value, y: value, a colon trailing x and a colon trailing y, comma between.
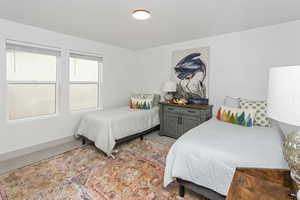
x: 31, y: 77
x: 85, y: 73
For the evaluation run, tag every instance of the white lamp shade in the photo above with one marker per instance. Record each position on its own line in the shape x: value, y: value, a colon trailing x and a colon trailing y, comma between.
x: 169, y: 86
x: 284, y: 94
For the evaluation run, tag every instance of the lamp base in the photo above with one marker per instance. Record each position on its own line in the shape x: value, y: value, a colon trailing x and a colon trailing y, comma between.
x: 297, y: 195
x: 295, y: 177
x: 291, y: 152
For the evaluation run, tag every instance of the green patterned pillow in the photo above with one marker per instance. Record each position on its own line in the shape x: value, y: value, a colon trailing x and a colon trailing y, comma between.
x: 261, y: 118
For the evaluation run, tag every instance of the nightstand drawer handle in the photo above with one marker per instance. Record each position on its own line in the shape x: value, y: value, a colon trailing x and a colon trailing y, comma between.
x: 191, y: 111
x: 170, y: 108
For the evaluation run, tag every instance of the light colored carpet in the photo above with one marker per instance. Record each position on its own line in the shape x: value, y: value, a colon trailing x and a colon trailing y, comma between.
x: 28, y: 159
x: 21, y: 161
x: 155, y: 137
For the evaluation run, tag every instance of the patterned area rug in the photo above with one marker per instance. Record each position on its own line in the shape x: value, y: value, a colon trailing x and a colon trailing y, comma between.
x: 85, y: 173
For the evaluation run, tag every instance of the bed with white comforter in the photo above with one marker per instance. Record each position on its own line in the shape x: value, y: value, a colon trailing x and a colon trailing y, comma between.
x: 106, y: 126
x: 209, y: 154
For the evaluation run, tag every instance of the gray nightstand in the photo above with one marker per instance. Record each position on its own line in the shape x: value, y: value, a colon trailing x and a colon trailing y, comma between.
x: 175, y: 120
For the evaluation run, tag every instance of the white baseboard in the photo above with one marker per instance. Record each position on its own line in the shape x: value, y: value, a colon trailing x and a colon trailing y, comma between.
x: 35, y: 148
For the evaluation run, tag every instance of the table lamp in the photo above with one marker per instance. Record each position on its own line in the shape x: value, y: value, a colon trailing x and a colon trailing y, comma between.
x: 169, y: 87
x: 284, y: 106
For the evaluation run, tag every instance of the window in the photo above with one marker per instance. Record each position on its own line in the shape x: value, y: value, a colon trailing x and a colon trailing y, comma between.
x: 31, y: 76
x: 84, y: 82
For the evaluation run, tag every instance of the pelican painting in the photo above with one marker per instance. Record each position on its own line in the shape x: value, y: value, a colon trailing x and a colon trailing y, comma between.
x: 191, y: 72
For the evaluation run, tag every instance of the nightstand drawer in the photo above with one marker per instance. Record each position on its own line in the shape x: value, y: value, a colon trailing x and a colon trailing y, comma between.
x: 182, y: 111
x: 173, y: 109
x: 191, y: 112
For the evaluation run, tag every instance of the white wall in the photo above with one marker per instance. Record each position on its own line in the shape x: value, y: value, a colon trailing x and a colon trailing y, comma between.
x: 119, y: 68
x: 239, y: 65
x: 239, y: 61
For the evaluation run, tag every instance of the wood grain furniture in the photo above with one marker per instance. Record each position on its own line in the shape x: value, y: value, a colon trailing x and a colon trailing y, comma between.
x: 261, y: 184
x: 250, y: 184
x: 175, y: 119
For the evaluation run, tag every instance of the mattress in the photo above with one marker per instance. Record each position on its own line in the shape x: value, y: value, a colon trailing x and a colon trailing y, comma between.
x: 209, y: 154
x: 106, y: 126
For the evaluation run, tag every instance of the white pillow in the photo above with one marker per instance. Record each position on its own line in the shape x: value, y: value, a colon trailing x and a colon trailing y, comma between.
x: 261, y: 116
x: 232, y: 102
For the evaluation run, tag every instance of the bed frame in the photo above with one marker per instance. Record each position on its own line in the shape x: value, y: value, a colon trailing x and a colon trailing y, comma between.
x: 130, y: 137
x: 206, y: 192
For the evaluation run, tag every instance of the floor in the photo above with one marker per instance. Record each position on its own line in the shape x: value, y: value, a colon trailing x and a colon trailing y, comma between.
x: 21, y: 161
x: 155, y: 137
x: 82, y: 172
x: 24, y: 160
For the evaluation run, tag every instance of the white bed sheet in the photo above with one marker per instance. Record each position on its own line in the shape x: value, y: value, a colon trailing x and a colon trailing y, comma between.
x: 209, y: 154
x: 106, y: 126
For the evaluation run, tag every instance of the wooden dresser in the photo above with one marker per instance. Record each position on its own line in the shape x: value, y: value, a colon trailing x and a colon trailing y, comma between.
x: 175, y: 120
x: 261, y: 184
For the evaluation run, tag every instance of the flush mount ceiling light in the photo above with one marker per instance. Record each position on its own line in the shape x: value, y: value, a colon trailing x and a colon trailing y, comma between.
x: 141, y: 14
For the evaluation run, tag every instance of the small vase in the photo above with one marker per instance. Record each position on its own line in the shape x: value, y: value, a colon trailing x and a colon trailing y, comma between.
x: 168, y: 97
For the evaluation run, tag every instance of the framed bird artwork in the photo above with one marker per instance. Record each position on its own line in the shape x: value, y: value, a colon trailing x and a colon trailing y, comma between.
x: 190, y: 69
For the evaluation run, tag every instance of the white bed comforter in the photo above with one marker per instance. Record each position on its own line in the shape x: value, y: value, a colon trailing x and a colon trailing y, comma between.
x: 106, y: 126
x: 209, y: 154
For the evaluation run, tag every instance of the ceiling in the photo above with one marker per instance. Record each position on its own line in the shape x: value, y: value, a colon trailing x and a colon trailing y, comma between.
x: 110, y: 21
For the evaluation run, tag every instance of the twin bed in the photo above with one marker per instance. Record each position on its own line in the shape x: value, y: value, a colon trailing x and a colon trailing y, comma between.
x: 105, y: 128
x: 204, y: 159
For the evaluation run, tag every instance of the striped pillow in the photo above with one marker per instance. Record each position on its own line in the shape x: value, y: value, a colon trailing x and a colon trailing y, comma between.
x: 142, y: 101
x: 238, y: 116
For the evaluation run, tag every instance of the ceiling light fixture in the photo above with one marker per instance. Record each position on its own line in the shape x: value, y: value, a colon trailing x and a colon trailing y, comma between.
x: 141, y: 14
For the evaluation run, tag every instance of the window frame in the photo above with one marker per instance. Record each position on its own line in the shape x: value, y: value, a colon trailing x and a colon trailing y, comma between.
x: 99, y: 82
x: 56, y: 82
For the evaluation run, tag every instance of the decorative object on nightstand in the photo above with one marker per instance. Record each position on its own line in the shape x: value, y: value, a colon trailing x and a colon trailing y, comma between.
x: 176, y: 119
x: 202, y: 101
x: 264, y: 184
x: 284, y: 106
x: 169, y: 87
x: 181, y: 101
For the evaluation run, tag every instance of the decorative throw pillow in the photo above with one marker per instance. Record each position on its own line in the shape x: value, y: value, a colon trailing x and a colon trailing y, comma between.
x: 238, y: 116
x: 261, y: 118
x: 232, y: 102
x: 142, y: 101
